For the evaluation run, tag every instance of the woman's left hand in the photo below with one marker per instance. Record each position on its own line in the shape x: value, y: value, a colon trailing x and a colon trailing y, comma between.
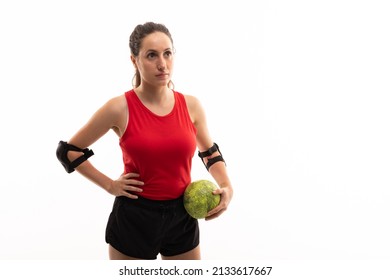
x: 226, y: 196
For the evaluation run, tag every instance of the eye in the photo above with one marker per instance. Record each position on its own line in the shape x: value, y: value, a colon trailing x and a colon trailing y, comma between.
x: 168, y: 53
x: 151, y: 55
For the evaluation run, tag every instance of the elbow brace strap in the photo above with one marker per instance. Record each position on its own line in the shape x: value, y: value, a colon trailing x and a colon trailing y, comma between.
x: 210, y: 161
x: 62, y: 155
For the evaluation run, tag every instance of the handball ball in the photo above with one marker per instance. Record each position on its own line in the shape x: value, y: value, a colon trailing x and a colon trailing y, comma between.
x: 199, y: 199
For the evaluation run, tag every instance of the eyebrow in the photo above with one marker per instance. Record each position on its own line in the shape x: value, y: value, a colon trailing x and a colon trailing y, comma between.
x: 152, y: 50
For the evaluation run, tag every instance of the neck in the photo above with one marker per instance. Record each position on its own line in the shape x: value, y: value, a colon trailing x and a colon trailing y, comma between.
x: 153, y: 94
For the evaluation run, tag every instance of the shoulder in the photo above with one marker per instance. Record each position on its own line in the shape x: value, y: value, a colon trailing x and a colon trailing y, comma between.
x: 193, y: 103
x: 114, y: 114
x: 195, y: 108
x: 116, y: 104
x: 112, y: 110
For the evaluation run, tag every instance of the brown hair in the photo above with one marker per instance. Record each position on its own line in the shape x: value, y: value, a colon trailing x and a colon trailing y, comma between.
x: 136, y: 37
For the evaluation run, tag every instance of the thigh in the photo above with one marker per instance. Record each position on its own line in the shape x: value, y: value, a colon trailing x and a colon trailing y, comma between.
x: 114, y: 254
x: 193, y: 254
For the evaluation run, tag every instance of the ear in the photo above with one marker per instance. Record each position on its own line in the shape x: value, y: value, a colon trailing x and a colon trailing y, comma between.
x: 134, y: 61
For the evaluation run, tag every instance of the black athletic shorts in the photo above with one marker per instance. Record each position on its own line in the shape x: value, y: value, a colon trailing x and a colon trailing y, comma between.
x: 143, y: 228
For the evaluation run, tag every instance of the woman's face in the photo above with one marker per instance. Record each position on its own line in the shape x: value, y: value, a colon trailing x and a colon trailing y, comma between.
x: 155, y: 59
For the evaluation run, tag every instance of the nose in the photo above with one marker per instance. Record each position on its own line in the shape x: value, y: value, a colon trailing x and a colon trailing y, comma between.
x: 161, y: 64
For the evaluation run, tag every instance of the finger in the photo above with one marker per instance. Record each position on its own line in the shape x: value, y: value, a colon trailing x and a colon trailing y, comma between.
x: 222, y: 206
x: 212, y: 216
x: 133, y: 189
x: 131, y: 175
x: 215, y: 211
x: 134, y: 182
x: 218, y: 191
x: 129, y: 195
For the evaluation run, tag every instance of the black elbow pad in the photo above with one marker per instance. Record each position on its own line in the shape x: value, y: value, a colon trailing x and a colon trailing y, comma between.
x: 62, y: 155
x: 214, y: 148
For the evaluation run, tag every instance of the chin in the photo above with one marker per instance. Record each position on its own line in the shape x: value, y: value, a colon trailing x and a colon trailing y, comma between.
x: 162, y: 84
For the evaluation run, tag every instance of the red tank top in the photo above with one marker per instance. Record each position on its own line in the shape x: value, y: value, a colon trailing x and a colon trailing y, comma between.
x: 159, y: 148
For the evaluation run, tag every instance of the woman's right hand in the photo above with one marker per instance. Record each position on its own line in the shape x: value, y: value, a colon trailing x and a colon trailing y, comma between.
x: 126, y: 184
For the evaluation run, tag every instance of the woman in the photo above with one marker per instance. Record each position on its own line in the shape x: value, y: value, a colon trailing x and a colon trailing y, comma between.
x: 158, y: 130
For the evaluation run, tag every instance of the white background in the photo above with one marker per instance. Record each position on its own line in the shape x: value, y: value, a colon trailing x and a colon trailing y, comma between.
x: 296, y: 94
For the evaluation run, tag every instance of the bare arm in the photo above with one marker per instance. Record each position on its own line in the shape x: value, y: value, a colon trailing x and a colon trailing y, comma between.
x: 218, y: 170
x: 112, y: 115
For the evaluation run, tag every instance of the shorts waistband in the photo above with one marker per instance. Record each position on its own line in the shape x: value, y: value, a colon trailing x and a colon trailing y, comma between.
x: 153, y: 204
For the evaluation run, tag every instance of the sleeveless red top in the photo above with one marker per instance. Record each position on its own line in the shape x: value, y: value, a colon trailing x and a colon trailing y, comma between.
x: 159, y: 148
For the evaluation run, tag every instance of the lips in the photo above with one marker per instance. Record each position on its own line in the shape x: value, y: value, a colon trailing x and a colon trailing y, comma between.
x: 162, y: 75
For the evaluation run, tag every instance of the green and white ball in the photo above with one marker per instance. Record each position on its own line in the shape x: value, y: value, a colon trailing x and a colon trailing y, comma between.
x: 199, y: 198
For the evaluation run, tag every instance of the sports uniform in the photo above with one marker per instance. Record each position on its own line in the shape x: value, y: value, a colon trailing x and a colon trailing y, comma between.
x: 160, y: 149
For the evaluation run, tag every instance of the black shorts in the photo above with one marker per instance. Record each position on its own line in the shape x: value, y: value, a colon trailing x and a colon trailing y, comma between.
x: 143, y: 228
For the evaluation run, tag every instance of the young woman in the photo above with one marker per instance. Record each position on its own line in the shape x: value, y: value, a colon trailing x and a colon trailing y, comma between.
x: 159, y: 130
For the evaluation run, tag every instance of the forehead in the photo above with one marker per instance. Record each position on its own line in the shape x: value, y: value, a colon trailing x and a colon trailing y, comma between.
x: 156, y: 41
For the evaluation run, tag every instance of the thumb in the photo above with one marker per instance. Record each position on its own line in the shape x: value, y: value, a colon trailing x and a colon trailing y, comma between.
x: 218, y: 191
